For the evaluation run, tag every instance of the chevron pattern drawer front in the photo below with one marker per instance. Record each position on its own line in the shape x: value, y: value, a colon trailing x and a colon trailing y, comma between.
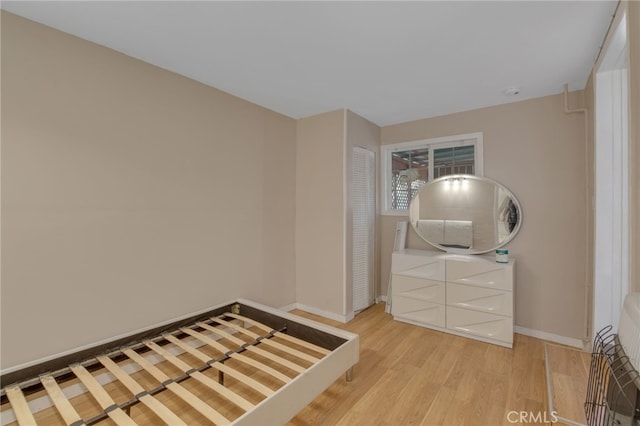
x: 419, y: 264
x: 417, y: 288
x: 479, y: 272
x: 480, y: 299
x: 426, y: 313
x: 489, y: 326
x: 467, y: 295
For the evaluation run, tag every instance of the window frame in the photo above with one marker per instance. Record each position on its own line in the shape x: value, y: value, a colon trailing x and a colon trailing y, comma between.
x: 432, y: 144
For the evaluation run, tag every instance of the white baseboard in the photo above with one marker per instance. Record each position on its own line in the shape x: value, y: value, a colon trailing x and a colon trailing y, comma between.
x: 381, y: 299
x: 326, y: 314
x: 289, y: 307
x: 569, y: 341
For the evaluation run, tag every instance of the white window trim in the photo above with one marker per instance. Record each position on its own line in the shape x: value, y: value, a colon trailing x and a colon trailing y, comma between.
x: 442, y: 142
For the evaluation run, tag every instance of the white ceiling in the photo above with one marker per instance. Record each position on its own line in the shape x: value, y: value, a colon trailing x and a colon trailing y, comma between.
x: 388, y: 61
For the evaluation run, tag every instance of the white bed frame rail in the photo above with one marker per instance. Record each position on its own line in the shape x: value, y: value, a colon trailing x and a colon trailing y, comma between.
x: 311, y: 369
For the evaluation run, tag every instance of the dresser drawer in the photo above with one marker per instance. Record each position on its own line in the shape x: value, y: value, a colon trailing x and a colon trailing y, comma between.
x: 418, y: 288
x: 480, y: 273
x: 418, y: 310
x: 480, y: 299
x: 481, y: 324
x: 428, y: 265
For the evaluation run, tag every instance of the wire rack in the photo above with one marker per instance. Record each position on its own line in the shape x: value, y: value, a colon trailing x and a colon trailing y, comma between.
x: 613, y: 396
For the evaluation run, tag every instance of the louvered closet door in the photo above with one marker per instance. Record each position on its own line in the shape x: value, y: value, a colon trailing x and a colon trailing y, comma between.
x: 364, y: 214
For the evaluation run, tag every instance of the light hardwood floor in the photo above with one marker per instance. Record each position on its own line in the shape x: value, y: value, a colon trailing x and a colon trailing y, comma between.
x: 409, y: 375
x: 569, y: 374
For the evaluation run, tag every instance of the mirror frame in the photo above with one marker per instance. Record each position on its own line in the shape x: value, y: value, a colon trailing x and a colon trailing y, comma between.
x: 469, y: 250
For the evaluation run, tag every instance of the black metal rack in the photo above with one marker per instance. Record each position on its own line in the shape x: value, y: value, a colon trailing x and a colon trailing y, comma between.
x: 613, y: 390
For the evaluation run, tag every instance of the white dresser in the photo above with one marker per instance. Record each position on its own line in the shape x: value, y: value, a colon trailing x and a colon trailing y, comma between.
x: 467, y: 295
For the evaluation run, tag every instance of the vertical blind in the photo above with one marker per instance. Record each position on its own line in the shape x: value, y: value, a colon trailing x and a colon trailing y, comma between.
x: 364, y: 209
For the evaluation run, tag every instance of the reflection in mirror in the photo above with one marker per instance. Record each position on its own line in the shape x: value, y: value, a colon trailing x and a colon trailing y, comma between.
x: 465, y: 214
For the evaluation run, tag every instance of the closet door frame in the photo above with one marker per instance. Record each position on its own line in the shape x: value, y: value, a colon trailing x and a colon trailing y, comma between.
x: 611, y: 195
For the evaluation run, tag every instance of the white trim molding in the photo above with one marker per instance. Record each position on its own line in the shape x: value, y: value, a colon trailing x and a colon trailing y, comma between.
x: 563, y: 340
x: 320, y: 312
x: 290, y: 307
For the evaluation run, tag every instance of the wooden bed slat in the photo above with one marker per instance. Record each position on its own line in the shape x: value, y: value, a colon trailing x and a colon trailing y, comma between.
x: 205, y: 380
x: 280, y: 346
x: 66, y: 410
x: 220, y: 366
x: 19, y: 405
x: 203, y: 408
x: 250, y: 357
x: 266, y: 354
x: 134, y: 387
x: 245, y: 359
x: 103, y: 398
x: 279, y: 334
x: 260, y: 366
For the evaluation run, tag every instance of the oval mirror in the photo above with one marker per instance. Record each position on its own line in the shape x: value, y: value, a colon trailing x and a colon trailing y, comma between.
x: 465, y: 214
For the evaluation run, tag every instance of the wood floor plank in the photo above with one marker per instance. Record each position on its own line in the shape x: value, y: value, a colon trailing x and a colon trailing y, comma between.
x: 373, y: 403
x: 458, y: 382
x: 569, y: 374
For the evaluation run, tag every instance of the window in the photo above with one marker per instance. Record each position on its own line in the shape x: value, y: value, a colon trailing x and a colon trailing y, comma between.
x: 407, y: 166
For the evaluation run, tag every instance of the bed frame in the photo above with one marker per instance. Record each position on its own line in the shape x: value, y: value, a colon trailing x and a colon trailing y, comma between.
x: 241, y: 363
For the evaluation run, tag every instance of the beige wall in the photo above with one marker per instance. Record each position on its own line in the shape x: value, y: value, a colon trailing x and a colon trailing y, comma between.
x: 359, y: 133
x: 131, y: 195
x: 320, y: 212
x: 537, y: 151
x: 277, y: 206
x: 323, y: 209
